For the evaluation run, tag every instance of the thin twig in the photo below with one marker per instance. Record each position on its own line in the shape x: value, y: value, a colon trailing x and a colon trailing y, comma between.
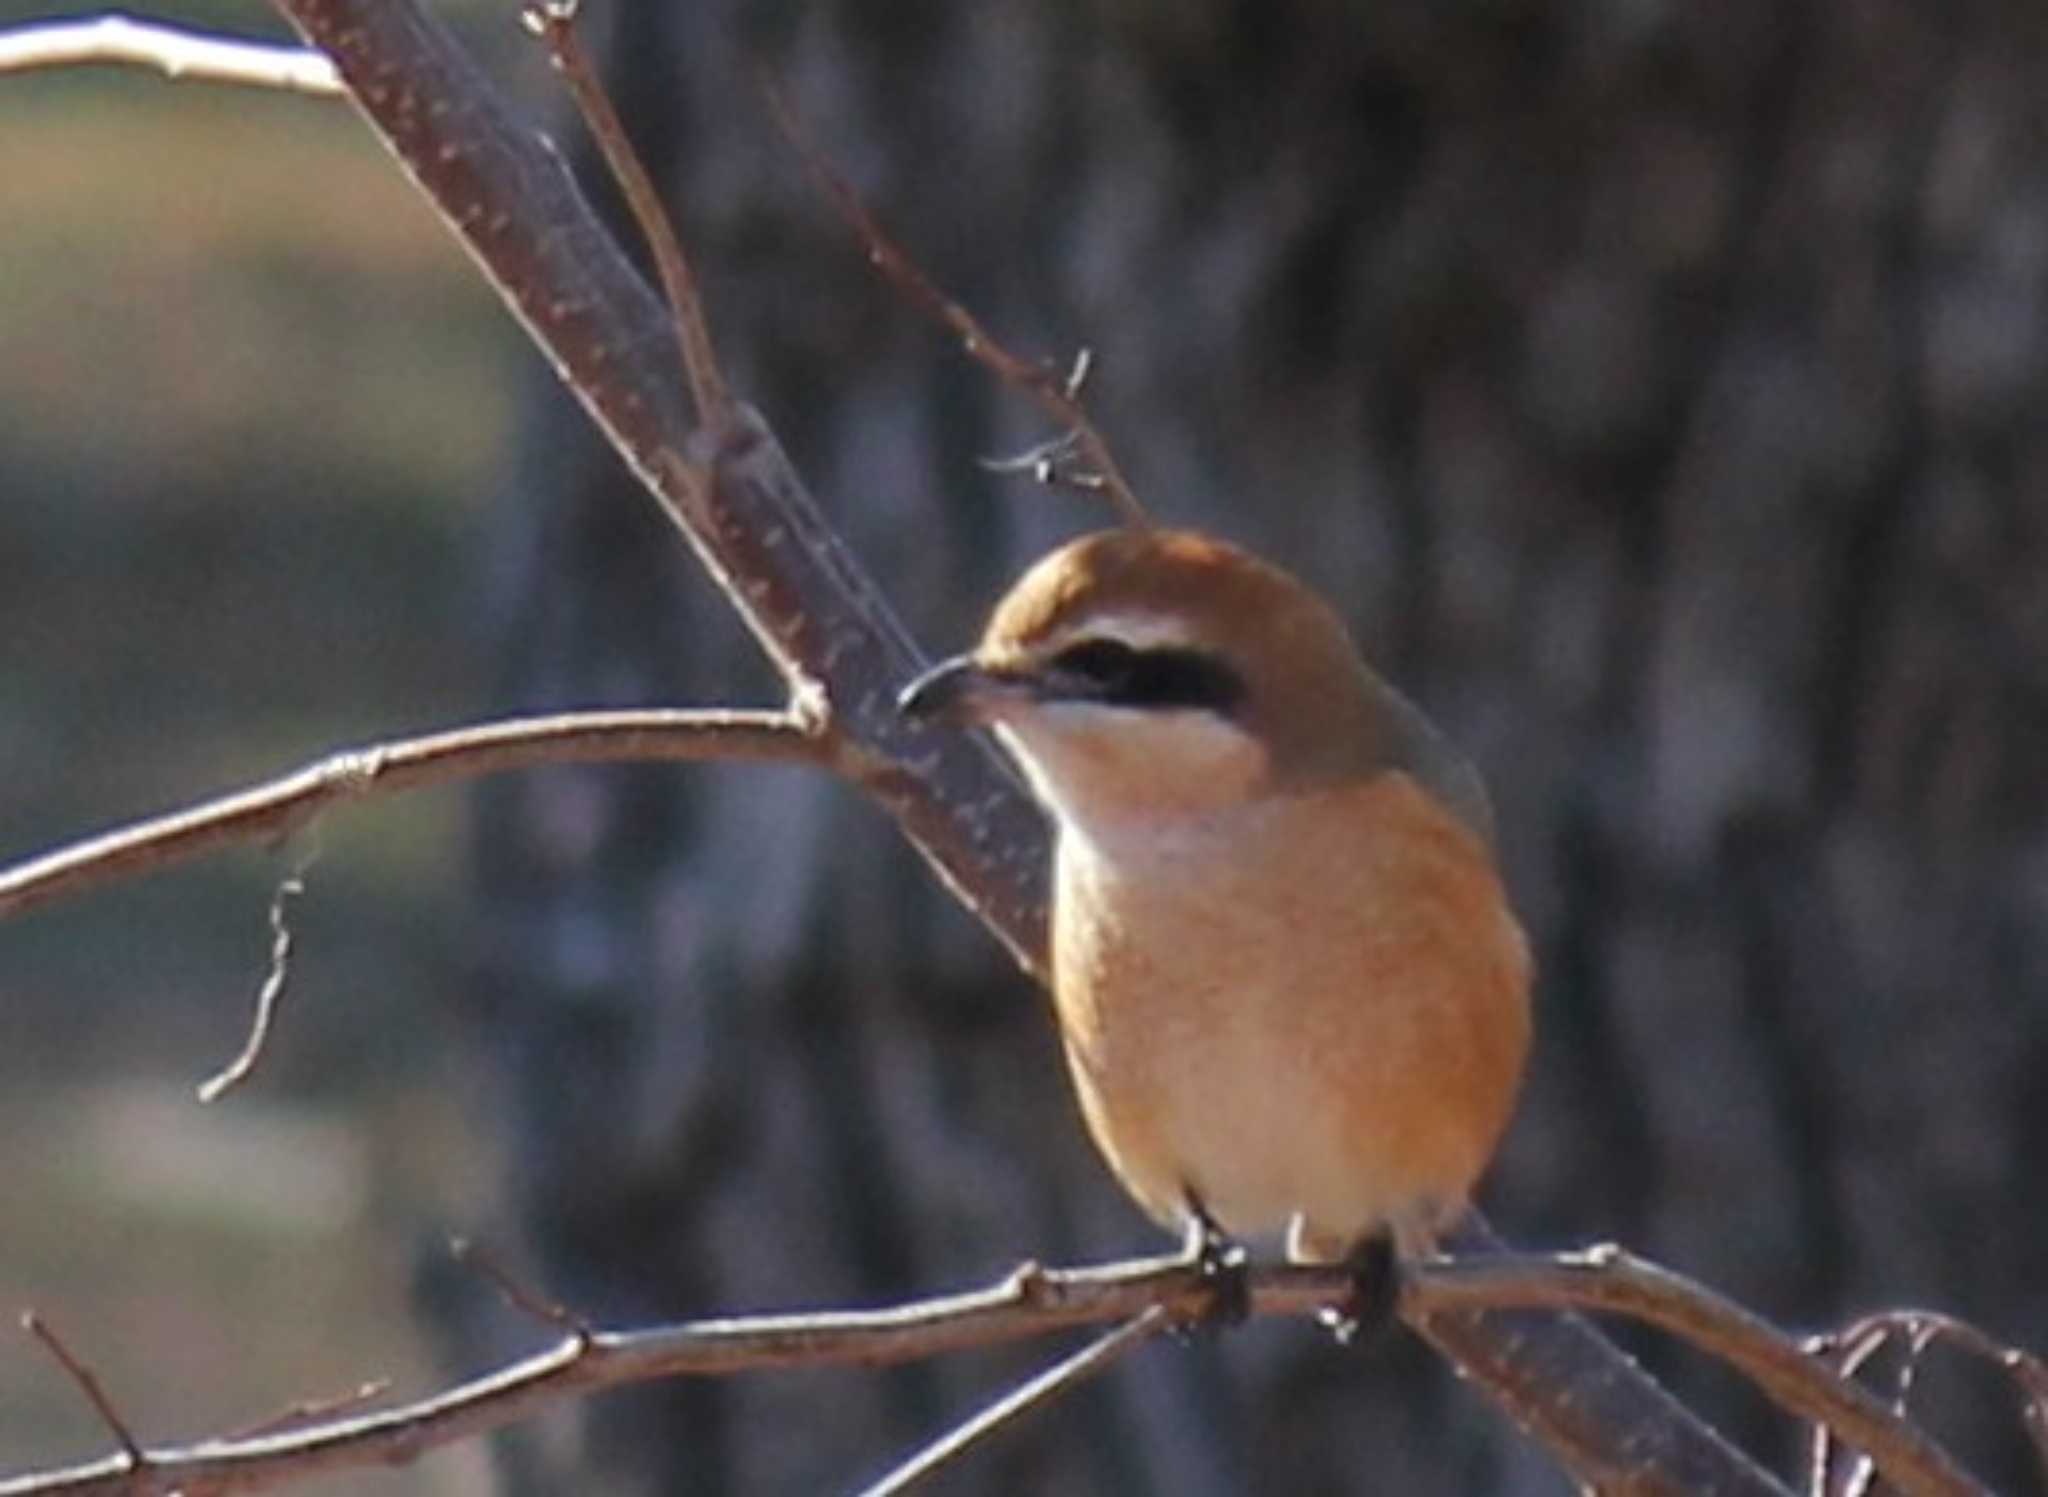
x: 308, y: 1409
x: 1044, y: 462
x: 173, y: 51
x: 290, y: 887
x: 472, y: 1254
x: 1848, y: 1351
x: 131, y: 1457
x: 554, y: 22
x: 283, y: 805
x: 1852, y: 1347
x: 1056, y: 394
x: 1064, y: 1374
x: 1904, y: 1377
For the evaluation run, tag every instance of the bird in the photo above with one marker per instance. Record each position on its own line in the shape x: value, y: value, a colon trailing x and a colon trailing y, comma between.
x: 1291, y: 991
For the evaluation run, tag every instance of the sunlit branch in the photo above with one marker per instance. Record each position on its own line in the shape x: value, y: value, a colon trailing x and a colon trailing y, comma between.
x: 173, y: 51
x: 281, y: 806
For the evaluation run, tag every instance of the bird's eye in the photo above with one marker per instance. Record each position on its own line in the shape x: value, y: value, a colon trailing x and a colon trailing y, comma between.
x: 1165, y: 678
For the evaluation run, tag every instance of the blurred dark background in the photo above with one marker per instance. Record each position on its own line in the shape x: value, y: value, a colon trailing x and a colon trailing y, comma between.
x: 1653, y: 386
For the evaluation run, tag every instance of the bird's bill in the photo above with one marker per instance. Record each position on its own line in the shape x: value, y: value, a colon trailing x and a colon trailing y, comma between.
x: 960, y: 690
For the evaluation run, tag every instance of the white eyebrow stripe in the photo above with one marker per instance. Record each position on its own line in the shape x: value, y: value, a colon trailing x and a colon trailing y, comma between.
x: 1139, y: 630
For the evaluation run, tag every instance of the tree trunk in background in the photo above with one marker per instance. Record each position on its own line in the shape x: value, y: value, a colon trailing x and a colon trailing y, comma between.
x: 1656, y: 387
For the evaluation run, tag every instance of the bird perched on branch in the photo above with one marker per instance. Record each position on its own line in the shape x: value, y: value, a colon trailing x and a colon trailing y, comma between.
x: 1290, y: 988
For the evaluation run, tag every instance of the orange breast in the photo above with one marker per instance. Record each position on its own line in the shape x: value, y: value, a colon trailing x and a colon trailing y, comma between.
x: 1311, y: 1007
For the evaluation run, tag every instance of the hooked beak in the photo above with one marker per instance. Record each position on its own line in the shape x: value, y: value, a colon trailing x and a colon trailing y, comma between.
x: 959, y: 691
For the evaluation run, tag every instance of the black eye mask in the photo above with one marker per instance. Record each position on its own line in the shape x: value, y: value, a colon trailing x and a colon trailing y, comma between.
x: 1165, y: 678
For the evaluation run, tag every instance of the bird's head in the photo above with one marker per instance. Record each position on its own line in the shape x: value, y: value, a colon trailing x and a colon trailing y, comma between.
x: 1149, y: 673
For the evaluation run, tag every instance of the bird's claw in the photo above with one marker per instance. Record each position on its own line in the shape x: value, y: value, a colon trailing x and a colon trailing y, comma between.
x: 1225, y: 1269
x: 1375, y: 1289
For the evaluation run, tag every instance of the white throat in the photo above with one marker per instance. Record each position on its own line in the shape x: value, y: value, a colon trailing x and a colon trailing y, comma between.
x: 1113, y: 772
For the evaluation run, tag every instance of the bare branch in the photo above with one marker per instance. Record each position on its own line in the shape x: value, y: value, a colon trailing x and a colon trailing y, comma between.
x: 1056, y: 394
x: 1034, y: 1301
x: 507, y: 195
x: 1027, y: 1303
x: 236, y: 1071
x: 1849, y: 1352
x: 1614, y: 1428
x: 283, y: 805
x: 1096, y: 1356
x: 170, y: 50
x: 1852, y: 1347
x: 554, y: 22
x: 548, y: 1312
x: 1610, y: 1281
x: 131, y: 1456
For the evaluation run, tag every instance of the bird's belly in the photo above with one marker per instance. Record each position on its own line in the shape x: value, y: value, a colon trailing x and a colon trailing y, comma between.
x: 1201, y: 1098
x: 1256, y: 1139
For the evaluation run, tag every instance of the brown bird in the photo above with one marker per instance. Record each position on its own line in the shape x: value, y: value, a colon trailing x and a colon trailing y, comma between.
x: 1291, y: 991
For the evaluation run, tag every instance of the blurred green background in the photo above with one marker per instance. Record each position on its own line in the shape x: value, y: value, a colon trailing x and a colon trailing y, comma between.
x: 251, y: 397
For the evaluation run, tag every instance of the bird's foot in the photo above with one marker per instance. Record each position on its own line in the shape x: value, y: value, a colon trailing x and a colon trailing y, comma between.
x: 1375, y: 1289
x: 1225, y: 1268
